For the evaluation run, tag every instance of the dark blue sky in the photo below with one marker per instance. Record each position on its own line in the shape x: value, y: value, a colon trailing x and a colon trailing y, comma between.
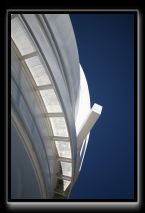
x: 106, y: 50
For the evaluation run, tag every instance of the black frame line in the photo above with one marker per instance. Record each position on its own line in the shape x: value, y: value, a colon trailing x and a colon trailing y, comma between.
x: 136, y: 178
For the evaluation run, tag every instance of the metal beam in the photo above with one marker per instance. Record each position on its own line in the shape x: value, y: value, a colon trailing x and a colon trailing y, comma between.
x: 57, y: 138
x: 64, y: 177
x: 56, y: 114
x: 30, y: 55
x: 44, y: 87
x: 90, y: 120
x: 68, y: 160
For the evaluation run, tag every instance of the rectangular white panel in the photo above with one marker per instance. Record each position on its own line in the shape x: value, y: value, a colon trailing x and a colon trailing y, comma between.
x: 38, y: 71
x: 59, y: 126
x: 51, y: 101
x: 63, y: 149
x: 21, y: 37
x: 66, y: 168
x: 65, y: 184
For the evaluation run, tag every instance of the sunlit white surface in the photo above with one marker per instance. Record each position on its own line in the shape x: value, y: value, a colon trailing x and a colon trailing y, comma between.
x: 65, y: 184
x: 21, y: 37
x: 63, y: 149
x: 50, y: 100
x: 38, y: 71
x: 66, y: 168
x: 59, y: 126
x: 84, y: 101
x: 97, y: 108
x: 89, y: 122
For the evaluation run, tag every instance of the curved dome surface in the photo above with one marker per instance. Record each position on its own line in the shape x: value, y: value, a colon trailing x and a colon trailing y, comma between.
x: 48, y: 92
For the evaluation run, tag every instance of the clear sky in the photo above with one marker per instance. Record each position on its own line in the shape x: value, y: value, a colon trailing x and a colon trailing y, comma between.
x: 106, y: 50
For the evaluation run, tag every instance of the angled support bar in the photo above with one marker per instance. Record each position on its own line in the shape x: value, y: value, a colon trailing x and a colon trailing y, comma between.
x: 44, y: 87
x: 30, y: 55
x: 89, y: 123
x: 56, y: 114
x: 57, y: 138
x: 64, y: 177
x: 68, y: 160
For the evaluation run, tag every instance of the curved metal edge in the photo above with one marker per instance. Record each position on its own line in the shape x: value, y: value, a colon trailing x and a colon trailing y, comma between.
x: 16, y: 121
